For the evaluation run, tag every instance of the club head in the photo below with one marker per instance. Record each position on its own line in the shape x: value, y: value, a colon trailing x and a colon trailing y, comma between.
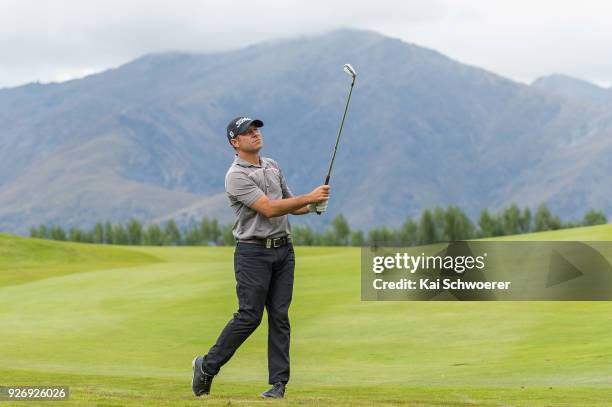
x: 349, y: 70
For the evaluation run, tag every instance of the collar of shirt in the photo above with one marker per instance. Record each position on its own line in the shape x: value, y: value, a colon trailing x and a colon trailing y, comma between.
x: 244, y: 163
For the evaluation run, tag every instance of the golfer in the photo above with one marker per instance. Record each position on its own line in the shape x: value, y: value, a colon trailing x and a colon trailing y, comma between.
x: 264, y: 260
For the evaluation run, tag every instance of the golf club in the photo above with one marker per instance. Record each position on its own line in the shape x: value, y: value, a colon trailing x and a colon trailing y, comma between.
x: 350, y: 71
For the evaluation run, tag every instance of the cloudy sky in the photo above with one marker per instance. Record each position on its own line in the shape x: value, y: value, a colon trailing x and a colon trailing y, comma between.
x: 63, y: 39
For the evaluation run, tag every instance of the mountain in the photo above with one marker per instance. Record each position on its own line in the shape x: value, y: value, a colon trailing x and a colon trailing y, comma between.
x: 574, y: 88
x: 147, y: 139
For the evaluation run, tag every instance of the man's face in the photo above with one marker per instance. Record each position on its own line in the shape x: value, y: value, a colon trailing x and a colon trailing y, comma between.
x: 251, y: 141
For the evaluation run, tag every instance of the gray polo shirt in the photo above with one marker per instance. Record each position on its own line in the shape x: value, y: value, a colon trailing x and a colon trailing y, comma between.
x: 245, y: 183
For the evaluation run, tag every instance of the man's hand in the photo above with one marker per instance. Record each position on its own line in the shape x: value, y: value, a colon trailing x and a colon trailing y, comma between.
x: 319, y: 195
x: 322, y: 207
x: 319, y: 208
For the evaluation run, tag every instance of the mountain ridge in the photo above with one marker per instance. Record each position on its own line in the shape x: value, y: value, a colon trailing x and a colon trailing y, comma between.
x: 422, y: 130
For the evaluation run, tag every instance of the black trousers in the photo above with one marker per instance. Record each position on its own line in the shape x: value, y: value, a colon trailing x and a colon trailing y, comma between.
x: 264, y: 278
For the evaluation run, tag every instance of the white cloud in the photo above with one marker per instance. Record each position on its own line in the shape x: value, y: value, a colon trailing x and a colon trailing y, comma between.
x: 525, y: 39
x: 521, y: 39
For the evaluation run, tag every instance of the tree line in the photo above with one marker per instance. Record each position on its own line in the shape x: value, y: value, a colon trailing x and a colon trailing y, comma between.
x: 208, y: 233
x: 437, y: 225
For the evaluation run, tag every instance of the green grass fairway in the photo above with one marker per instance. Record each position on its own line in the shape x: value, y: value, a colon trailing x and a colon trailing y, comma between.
x: 120, y: 326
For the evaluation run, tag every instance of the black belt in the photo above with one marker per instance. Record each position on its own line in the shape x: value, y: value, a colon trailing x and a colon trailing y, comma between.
x: 269, y: 243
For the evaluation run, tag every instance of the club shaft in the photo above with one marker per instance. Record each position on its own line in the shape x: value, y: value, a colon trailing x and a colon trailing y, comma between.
x: 331, y: 163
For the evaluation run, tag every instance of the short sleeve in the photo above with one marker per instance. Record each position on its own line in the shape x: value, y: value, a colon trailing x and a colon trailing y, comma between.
x: 242, y: 187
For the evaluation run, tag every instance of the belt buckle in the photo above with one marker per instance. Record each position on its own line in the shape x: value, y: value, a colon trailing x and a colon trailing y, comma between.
x: 277, y: 240
x: 268, y: 243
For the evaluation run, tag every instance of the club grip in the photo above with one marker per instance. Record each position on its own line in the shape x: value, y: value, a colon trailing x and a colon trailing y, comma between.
x: 326, y: 183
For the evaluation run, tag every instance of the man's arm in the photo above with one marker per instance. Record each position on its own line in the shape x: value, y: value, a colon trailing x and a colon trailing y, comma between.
x: 279, y: 207
x: 301, y: 211
x: 313, y: 207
